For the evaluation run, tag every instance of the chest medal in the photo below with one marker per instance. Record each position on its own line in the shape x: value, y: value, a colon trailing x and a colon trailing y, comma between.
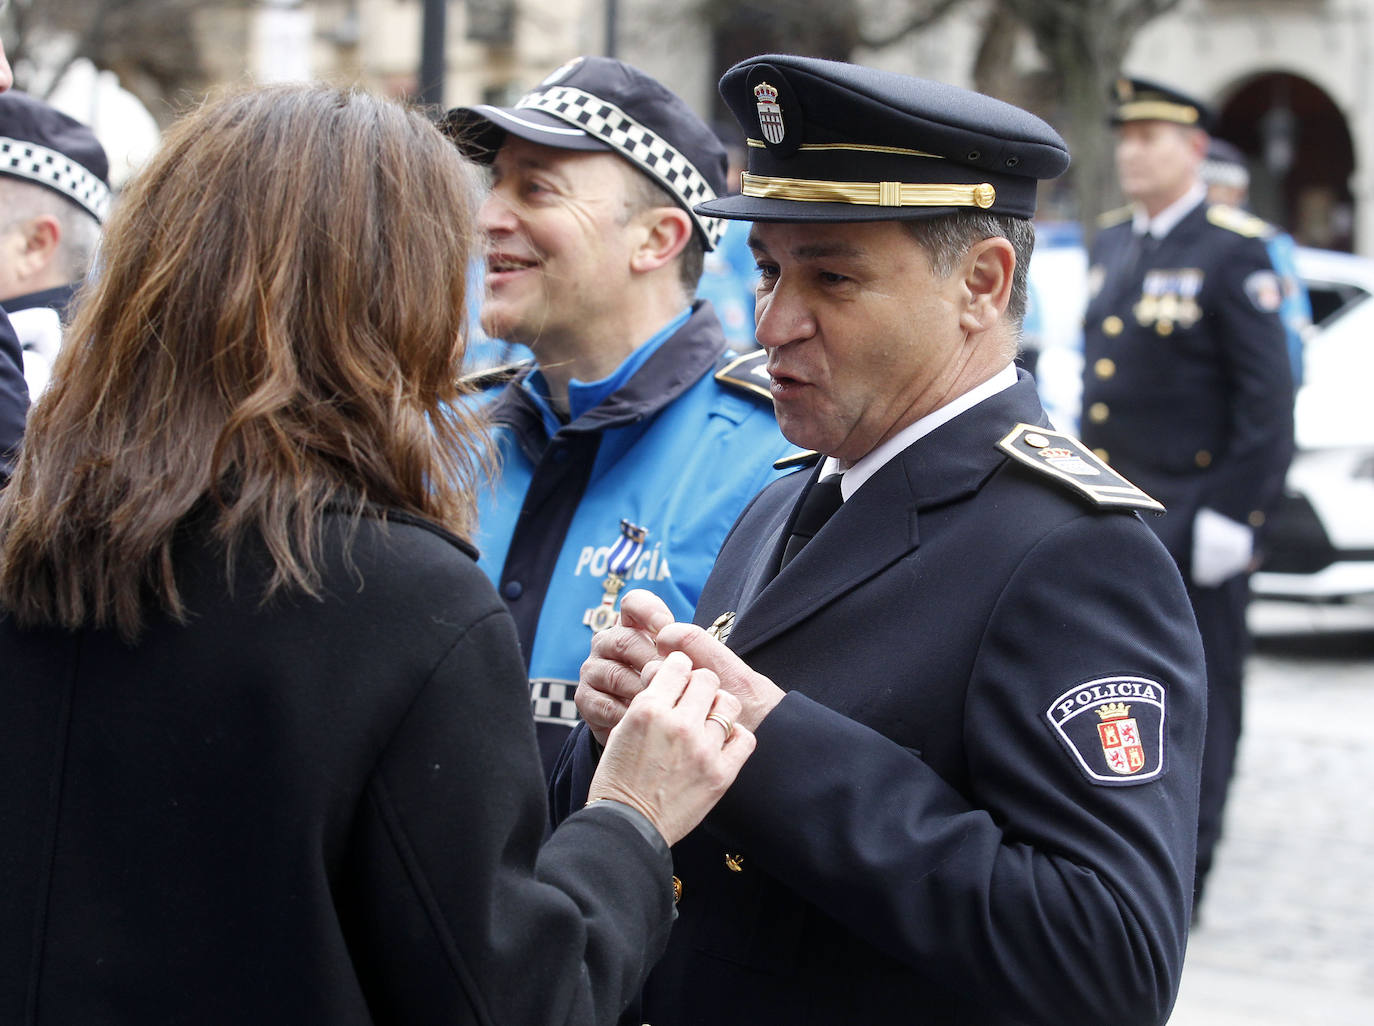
x: 624, y: 553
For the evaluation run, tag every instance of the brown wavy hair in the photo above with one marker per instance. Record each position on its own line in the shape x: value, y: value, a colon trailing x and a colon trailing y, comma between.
x: 277, y: 327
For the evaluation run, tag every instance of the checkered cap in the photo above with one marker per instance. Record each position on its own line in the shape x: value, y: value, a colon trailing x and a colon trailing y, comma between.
x: 640, y: 145
x: 599, y: 103
x: 44, y: 146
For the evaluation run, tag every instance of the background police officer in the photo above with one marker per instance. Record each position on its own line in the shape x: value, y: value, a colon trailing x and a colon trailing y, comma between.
x: 1187, y: 387
x: 54, y: 195
x: 14, y: 393
x: 975, y: 680
x: 1227, y: 178
x: 631, y: 445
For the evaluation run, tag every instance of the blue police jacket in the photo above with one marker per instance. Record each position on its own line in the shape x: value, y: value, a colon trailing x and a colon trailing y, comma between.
x: 1295, y: 309
x: 675, y: 451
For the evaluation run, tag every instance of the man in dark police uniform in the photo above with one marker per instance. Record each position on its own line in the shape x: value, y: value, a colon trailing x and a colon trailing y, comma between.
x: 1187, y: 386
x: 973, y: 672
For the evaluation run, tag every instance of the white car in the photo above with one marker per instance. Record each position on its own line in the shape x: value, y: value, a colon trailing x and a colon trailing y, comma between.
x: 1320, y: 542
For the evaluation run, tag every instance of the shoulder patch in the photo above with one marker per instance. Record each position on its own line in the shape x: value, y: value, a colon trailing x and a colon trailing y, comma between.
x: 800, y: 458
x: 747, y: 374
x: 490, y: 377
x: 1113, y: 728
x: 1242, y: 222
x: 1067, y: 460
x: 1114, y: 217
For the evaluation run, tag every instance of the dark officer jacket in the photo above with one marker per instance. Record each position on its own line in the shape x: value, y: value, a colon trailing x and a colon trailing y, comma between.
x: 921, y: 836
x: 14, y: 396
x: 1187, y: 385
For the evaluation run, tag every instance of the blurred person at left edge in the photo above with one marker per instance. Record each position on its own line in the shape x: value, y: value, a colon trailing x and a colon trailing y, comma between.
x: 636, y: 436
x: 14, y: 393
x: 54, y: 197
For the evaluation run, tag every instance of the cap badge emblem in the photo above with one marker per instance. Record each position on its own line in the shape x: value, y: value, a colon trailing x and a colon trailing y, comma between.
x: 770, y: 113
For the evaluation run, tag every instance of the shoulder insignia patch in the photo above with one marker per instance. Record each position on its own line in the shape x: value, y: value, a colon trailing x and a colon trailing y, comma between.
x: 1113, y: 728
x: 1242, y: 222
x: 1112, y: 217
x: 490, y: 377
x: 800, y: 458
x: 1071, y: 463
x: 747, y: 373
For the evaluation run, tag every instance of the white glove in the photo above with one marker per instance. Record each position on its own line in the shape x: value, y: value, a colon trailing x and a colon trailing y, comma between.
x: 1222, y: 548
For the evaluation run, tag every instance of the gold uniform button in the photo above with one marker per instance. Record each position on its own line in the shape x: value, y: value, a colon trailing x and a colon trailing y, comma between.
x: 677, y: 890
x: 1165, y: 328
x: 1102, y: 455
x: 1098, y: 413
x: 1203, y: 458
x: 734, y: 863
x: 1256, y: 518
x: 1104, y: 368
x: 1113, y: 326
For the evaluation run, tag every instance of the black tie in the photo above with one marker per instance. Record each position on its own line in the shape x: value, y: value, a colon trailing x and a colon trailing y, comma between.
x: 820, y: 504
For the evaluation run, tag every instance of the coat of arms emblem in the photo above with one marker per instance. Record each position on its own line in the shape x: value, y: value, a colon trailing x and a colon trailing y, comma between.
x: 770, y: 113
x: 1120, y: 739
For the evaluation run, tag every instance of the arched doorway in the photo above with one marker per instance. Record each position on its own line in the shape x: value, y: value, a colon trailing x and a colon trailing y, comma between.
x: 1301, y: 156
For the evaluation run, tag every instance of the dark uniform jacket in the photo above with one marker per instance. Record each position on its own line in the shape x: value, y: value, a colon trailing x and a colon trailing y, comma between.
x: 930, y: 830
x: 309, y: 812
x: 1187, y: 383
x: 14, y: 396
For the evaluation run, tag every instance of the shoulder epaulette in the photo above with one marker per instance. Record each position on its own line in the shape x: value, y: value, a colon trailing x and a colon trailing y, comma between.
x: 747, y: 374
x: 1242, y: 222
x: 1068, y: 461
x: 800, y: 458
x: 490, y: 377
x: 1114, y: 217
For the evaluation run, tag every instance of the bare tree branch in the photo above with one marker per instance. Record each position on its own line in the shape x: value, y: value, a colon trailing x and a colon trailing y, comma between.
x: 919, y: 19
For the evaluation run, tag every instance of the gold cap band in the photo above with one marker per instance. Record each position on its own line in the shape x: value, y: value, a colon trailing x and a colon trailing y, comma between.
x: 1157, y: 110
x: 873, y: 194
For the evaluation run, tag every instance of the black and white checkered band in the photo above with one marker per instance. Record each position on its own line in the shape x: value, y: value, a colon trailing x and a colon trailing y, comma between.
x: 640, y: 145
x: 551, y: 701
x: 57, y: 171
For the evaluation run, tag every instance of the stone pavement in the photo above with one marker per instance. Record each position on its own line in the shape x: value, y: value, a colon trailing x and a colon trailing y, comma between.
x: 1287, y: 925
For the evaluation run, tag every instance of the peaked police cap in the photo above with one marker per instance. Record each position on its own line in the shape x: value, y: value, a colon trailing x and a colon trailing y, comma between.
x: 829, y: 141
x: 1139, y: 99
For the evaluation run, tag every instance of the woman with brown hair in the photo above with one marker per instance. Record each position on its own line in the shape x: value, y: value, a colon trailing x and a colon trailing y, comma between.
x: 265, y: 746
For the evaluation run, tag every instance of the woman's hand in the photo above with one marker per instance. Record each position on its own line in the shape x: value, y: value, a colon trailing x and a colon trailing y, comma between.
x: 676, y: 749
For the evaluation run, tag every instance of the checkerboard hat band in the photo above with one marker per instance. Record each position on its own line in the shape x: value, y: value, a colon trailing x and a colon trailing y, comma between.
x: 641, y: 146
x: 57, y: 171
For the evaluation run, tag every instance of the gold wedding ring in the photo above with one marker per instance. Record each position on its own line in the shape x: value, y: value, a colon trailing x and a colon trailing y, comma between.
x: 725, y: 724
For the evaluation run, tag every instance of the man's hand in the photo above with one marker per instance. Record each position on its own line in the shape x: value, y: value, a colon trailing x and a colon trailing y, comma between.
x: 613, y: 674
x: 756, y: 693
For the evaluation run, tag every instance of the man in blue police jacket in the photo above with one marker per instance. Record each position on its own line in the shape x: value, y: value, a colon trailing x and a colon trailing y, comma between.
x: 630, y: 446
x: 1188, y: 387
x: 975, y: 679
